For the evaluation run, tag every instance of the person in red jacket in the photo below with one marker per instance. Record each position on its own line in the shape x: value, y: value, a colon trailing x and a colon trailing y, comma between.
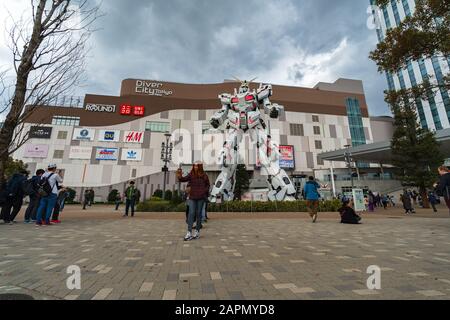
x: 199, y: 191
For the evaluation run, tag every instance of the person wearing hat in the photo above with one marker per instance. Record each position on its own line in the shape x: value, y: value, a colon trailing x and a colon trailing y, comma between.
x: 48, y: 202
x: 14, y: 196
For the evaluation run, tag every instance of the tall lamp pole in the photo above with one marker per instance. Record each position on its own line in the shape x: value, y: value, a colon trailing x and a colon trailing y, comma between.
x: 348, y: 159
x: 166, y: 157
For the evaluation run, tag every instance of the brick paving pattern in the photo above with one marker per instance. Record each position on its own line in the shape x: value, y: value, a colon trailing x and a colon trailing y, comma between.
x: 248, y: 258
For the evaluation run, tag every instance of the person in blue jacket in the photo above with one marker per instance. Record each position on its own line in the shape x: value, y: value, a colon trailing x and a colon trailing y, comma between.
x: 312, y: 196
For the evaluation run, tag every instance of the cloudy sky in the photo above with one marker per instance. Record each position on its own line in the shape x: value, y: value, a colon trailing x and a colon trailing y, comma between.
x: 288, y: 42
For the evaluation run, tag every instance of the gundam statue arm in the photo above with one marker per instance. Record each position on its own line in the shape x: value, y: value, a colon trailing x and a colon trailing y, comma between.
x: 220, y: 117
x: 241, y: 111
x: 272, y: 109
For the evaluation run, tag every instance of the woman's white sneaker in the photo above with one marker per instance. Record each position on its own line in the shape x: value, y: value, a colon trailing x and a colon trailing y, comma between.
x: 188, y: 236
x: 196, y: 234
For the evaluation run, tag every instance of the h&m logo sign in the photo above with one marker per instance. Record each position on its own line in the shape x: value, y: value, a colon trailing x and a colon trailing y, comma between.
x: 134, y: 137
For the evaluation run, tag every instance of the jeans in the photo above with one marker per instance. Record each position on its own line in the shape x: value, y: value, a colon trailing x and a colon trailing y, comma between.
x: 195, y: 212
x: 46, y: 205
x: 129, y: 203
x: 117, y: 205
x: 32, y: 208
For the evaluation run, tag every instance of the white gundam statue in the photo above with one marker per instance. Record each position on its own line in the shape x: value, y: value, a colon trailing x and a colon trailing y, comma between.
x: 241, y: 114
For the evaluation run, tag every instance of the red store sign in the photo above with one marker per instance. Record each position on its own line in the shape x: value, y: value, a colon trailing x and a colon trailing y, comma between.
x: 128, y: 110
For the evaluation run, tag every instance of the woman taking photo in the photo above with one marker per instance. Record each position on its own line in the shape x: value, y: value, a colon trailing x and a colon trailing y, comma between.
x: 199, y: 191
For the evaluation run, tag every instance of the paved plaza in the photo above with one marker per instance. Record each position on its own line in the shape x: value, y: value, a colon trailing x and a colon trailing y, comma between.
x: 239, y: 256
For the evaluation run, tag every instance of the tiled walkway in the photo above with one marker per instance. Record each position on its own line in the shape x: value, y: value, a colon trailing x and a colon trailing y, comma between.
x: 124, y: 258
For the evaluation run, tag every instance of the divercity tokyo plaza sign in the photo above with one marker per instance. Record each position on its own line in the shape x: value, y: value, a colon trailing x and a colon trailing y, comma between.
x: 152, y: 88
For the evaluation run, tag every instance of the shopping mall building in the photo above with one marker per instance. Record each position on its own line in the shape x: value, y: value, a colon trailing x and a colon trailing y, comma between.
x: 104, y: 142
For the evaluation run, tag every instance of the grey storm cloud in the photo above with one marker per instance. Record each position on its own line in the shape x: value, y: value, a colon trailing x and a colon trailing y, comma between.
x: 288, y: 42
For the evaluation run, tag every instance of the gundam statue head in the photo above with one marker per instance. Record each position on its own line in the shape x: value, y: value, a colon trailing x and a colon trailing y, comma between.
x: 241, y: 114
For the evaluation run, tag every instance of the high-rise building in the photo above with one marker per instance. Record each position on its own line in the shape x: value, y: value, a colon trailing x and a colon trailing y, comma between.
x: 434, y: 113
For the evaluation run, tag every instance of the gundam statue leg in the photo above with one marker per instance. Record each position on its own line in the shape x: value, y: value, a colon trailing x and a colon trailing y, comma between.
x: 229, y: 159
x: 280, y: 186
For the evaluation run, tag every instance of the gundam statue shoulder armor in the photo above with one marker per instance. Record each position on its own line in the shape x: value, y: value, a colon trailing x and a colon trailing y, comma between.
x: 241, y: 113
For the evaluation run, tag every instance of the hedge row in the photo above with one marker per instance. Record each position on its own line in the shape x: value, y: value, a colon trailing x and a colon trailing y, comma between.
x: 241, y: 206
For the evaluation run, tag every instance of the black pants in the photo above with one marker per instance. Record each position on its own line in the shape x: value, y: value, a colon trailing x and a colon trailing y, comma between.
x: 32, y: 208
x: 117, y: 205
x: 129, y: 204
x: 56, y: 211
x: 13, y: 204
x: 433, y: 205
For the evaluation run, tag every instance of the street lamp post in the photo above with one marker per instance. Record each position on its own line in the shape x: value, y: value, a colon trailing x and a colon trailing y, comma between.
x: 166, y: 157
x: 348, y: 159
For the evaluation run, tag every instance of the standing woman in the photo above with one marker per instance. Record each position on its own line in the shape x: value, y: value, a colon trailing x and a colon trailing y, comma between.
x: 371, y: 202
x: 199, y: 183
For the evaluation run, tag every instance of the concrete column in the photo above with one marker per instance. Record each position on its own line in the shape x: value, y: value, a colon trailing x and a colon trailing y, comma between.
x: 382, y: 171
x: 333, y: 185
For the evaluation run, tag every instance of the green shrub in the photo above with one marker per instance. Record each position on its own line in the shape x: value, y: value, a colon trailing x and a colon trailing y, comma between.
x: 240, y: 206
x: 155, y: 199
x: 168, y: 195
x: 158, y: 193
x: 112, y: 195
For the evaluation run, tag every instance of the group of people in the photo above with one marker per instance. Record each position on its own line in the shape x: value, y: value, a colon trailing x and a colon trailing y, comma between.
x: 377, y: 200
x: 46, y: 193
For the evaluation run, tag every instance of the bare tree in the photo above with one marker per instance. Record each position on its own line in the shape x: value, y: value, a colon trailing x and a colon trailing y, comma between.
x: 49, y: 52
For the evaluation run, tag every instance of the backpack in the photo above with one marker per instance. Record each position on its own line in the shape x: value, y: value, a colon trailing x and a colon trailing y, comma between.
x: 28, y: 187
x: 44, y: 187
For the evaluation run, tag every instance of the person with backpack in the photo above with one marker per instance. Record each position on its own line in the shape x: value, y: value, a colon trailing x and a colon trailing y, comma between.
x: 31, y: 189
x: 199, y: 183
x: 130, y: 199
x: 48, y: 189
x: 443, y: 186
x: 14, y: 196
x: 312, y: 195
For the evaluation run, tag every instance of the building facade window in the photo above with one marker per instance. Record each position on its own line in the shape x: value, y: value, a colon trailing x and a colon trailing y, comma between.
x: 318, y: 144
x: 66, y: 121
x: 316, y: 130
x: 440, y: 78
x: 419, y: 104
x: 315, y: 118
x: 155, y: 126
x: 320, y: 162
x: 62, y: 135
x: 430, y: 94
x: 58, y: 154
x: 133, y: 173
x: 406, y: 8
x: 297, y: 130
x: 355, y: 122
x: 398, y: 21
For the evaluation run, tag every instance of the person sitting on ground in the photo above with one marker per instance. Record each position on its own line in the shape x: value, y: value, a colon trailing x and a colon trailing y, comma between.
x: 348, y: 215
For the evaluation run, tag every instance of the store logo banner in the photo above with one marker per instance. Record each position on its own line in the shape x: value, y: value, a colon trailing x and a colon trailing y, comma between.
x: 80, y: 153
x: 36, y: 151
x: 131, y: 155
x: 287, y: 157
x: 100, y: 108
x: 84, y: 134
x: 40, y: 132
x: 110, y: 154
x: 133, y: 137
x: 109, y: 135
